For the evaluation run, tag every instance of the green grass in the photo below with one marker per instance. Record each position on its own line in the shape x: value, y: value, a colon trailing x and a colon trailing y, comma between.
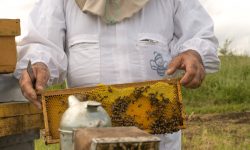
x: 225, y: 91
x: 39, y: 145
x: 208, y: 109
x: 57, y: 87
x: 221, y: 93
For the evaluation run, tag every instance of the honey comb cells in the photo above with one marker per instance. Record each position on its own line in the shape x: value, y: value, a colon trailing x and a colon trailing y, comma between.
x: 153, y: 106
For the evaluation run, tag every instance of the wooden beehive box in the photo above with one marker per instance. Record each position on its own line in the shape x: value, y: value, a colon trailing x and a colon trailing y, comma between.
x: 122, y: 138
x: 19, y: 117
x: 9, y: 28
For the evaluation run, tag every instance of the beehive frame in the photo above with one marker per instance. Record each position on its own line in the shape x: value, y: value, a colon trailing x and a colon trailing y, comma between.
x: 55, y: 103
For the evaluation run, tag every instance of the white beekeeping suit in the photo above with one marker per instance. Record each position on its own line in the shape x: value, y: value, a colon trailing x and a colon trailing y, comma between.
x: 88, y: 51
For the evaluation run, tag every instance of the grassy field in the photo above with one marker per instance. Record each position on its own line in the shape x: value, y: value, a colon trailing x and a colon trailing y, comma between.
x: 225, y: 91
x: 218, y: 112
x: 230, y: 131
x: 218, y: 115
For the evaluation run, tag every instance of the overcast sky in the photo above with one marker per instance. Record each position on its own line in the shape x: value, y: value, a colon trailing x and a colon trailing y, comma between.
x: 231, y: 17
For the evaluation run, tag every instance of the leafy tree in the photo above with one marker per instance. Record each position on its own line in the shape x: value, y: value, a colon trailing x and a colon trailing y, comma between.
x: 225, y: 49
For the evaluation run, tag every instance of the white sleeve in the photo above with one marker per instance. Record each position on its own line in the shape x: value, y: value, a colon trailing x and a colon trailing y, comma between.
x: 194, y: 30
x: 44, y: 40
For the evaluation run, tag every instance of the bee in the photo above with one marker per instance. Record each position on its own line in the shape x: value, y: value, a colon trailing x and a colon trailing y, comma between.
x: 153, y: 99
x: 119, y: 98
x: 138, y: 92
x: 101, y: 99
x: 161, y: 95
x: 165, y: 100
x: 110, y: 90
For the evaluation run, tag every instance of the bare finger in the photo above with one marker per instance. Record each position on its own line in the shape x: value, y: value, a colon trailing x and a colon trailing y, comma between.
x: 189, y: 75
x: 197, y: 80
x: 174, y: 65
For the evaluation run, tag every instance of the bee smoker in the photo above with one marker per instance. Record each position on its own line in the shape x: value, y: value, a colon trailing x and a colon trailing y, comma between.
x: 81, y: 115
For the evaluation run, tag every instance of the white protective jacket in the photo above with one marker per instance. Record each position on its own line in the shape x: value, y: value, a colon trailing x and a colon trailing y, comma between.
x: 88, y: 51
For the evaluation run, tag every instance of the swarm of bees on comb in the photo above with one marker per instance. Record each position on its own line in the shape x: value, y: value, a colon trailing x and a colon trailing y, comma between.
x: 154, y: 107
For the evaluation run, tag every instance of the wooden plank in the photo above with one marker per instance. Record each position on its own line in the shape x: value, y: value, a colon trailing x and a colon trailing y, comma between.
x: 17, y: 109
x: 10, y: 27
x: 19, y: 117
x: 8, y: 55
x: 19, y: 124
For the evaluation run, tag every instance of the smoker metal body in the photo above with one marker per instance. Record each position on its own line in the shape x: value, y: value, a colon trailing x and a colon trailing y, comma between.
x: 81, y: 115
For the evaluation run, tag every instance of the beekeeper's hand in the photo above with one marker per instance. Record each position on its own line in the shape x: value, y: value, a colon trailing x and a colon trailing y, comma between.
x: 42, y: 75
x: 191, y: 62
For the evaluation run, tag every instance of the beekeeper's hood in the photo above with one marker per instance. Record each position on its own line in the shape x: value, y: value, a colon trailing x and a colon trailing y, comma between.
x: 111, y: 11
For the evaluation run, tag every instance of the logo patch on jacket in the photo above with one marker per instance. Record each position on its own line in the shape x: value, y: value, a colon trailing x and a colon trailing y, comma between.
x: 159, y: 64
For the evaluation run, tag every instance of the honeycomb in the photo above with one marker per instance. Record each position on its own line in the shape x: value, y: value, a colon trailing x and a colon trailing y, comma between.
x: 153, y: 106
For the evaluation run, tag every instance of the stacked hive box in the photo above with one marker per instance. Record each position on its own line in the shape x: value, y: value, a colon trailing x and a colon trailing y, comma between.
x: 9, y: 28
x: 19, y: 125
x: 19, y: 121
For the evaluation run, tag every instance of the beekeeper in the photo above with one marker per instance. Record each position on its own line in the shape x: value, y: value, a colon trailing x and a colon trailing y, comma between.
x: 116, y: 41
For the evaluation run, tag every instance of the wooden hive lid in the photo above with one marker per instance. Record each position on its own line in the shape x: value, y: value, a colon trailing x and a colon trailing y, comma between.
x: 10, y: 27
